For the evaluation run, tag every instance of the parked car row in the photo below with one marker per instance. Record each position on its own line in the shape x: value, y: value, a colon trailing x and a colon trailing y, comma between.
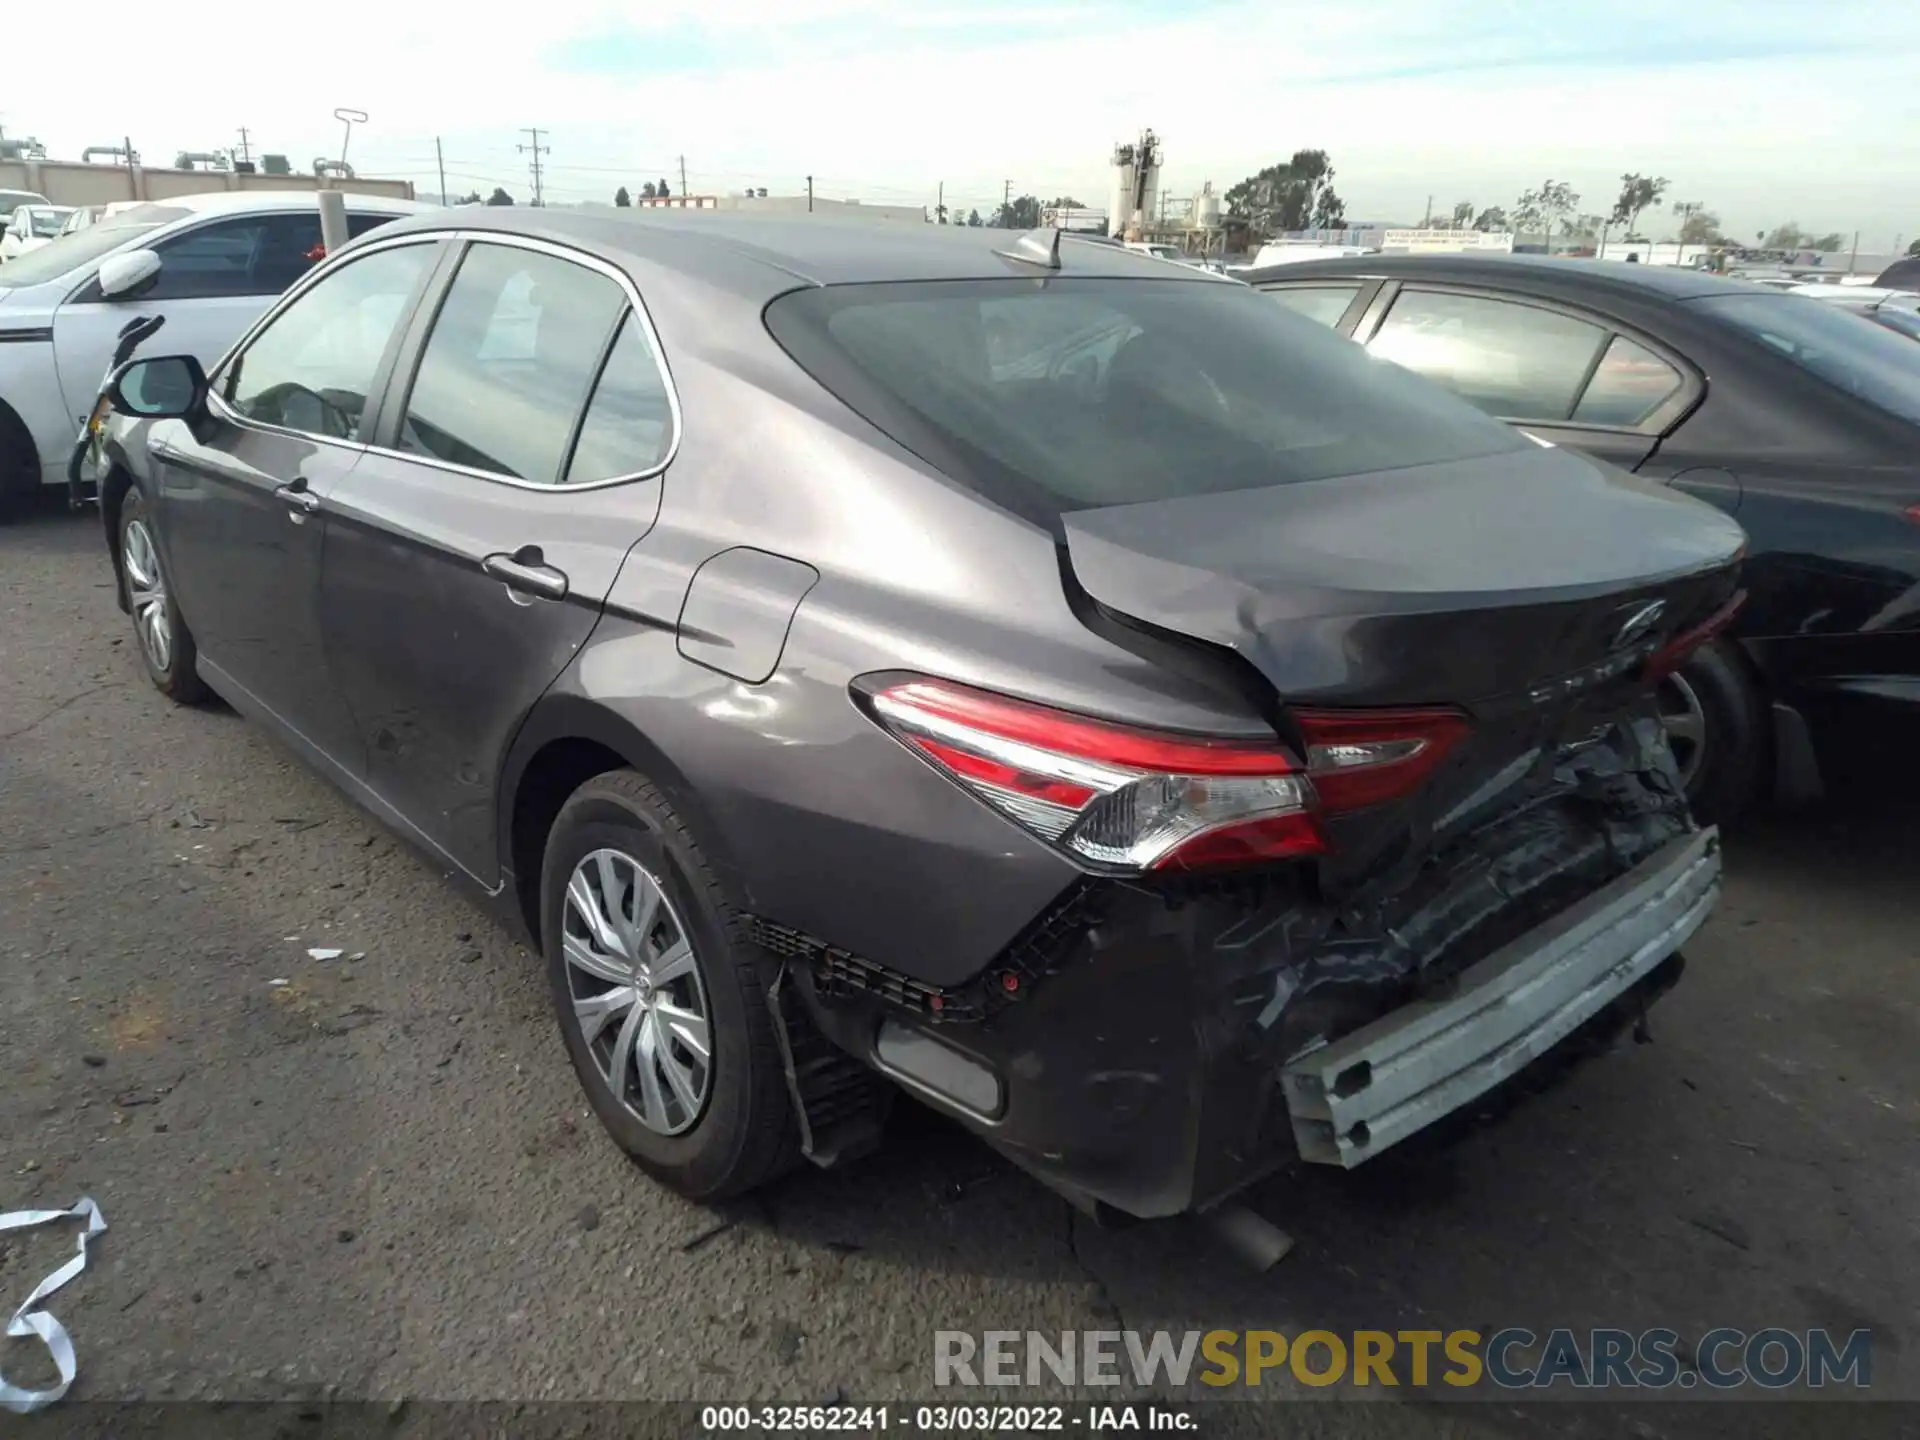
x: 1068, y: 687
x: 1782, y: 409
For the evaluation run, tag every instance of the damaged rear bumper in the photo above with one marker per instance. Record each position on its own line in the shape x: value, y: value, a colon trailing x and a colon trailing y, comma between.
x: 1155, y: 1047
x: 1351, y: 1099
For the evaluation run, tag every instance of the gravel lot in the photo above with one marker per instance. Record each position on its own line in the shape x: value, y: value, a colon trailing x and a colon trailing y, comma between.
x: 378, y: 1180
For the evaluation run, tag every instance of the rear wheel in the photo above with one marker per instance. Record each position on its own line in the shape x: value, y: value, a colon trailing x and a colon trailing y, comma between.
x: 166, y: 645
x: 662, y: 1001
x: 1716, y: 727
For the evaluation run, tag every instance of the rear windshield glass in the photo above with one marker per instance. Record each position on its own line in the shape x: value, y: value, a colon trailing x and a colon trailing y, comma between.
x: 70, y: 252
x: 1867, y: 361
x: 1064, y: 394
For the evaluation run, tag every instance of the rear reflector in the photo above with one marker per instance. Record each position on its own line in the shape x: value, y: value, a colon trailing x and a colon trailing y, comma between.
x: 1125, y: 798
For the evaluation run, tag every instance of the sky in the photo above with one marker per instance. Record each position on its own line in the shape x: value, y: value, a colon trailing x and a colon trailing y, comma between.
x: 1763, y: 110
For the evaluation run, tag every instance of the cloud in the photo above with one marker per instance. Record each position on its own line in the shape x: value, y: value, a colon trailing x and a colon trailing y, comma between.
x: 1749, y: 105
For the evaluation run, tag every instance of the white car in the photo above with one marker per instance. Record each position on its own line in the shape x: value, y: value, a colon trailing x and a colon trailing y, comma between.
x: 209, y: 263
x: 30, y: 227
x: 86, y: 215
x: 11, y: 200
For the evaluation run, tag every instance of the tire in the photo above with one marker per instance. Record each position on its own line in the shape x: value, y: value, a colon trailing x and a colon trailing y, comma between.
x: 741, y: 1132
x: 165, y: 643
x: 1713, y: 698
x: 19, y: 469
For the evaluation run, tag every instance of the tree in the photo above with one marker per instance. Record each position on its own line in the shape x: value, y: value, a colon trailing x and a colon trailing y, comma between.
x: 1463, y: 215
x: 663, y: 189
x: 1637, y: 192
x: 1064, y: 202
x: 622, y: 198
x: 1020, y: 213
x: 1527, y: 214
x: 472, y: 197
x: 1787, y: 237
x: 1582, y: 227
x: 1289, y: 196
x: 1492, y: 220
x: 1914, y: 248
x: 647, y: 191
x: 973, y: 219
x: 1542, y: 209
x: 1698, y: 225
x: 1832, y: 240
x: 499, y: 197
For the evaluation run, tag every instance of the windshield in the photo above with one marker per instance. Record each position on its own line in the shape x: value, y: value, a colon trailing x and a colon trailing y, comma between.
x: 46, y: 223
x: 12, y: 200
x: 1069, y: 394
x: 69, y: 252
x: 1867, y: 361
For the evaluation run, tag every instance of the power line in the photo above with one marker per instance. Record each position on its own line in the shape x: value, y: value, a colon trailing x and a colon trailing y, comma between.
x: 536, y: 150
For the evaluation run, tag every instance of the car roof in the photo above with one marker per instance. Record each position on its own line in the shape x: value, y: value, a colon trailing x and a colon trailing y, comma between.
x: 216, y: 202
x: 1537, y: 273
x: 812, y: 249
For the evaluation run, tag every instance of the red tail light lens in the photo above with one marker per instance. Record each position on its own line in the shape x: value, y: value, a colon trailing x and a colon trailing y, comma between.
x: 1360, y: 758
x: 1127, y: 798
x: 1672, y: 655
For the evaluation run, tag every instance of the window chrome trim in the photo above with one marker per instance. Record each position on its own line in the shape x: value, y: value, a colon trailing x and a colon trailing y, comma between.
x: 217, y: 403
x: 634, y: 304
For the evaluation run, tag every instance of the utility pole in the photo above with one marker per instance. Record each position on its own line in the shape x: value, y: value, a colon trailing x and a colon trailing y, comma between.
x: 809, y: 194
x: 1427, y: 224
x: 536, y: 150
x: 1854, y: 254
x: 1006, y: 204
x: 940, y: 209
x: 683, y: 177
x: 246, y: 148
x: 440, y: 162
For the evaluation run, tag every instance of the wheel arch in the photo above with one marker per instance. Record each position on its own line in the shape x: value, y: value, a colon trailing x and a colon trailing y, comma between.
x: 566, y: 741
x: 15, y: 472
x: 114, y: 487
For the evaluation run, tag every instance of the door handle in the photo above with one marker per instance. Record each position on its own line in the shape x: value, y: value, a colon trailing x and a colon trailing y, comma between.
x: 526, y: 571
x: 302, y: 500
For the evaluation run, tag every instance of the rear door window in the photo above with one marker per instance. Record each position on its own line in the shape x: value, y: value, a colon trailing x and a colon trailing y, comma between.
x: 1517, y: 361
x: 628, y: 427
x: 1325, y: 303
x: 507, y: 367
x: 1631, y: 383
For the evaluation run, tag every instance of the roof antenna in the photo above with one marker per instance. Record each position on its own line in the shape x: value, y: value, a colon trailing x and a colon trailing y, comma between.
x: 1037, y: 247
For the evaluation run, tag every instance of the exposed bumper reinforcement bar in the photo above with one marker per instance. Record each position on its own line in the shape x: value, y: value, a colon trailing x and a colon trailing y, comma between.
x: 1373, y: 1088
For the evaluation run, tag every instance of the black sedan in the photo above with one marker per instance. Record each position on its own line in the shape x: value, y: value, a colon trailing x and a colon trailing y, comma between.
x: 1784, y: 411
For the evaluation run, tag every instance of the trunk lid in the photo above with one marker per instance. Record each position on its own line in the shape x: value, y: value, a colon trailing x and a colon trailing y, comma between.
x: 1475, y: 583
x: 1522, y: 588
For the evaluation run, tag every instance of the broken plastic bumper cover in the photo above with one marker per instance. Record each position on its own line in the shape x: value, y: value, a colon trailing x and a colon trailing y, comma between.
x: 1355, y: 1097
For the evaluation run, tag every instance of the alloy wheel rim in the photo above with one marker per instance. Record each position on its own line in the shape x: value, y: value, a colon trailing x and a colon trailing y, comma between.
x: 147, y: 592
x: 1685, y: 719
x: 636, y: 991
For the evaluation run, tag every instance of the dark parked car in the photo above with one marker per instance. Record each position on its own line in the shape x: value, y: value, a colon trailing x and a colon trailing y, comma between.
x: 1784, y: 411
x: 1067, y: 686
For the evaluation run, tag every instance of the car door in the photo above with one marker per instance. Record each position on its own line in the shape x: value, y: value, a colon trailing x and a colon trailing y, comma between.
x: 241, y: 494
x: 1564, y: 376
x: 517, y: 460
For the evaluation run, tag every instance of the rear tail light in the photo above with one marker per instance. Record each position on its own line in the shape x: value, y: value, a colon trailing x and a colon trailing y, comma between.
x: 1675, y: 653
x: 1125, y: 798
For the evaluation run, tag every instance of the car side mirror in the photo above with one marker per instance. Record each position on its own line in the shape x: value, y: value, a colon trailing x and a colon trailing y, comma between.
x: 125, y: 276
x: 166, y: 387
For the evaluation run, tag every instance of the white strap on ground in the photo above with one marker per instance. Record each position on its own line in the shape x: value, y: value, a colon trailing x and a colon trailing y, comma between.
x: 28, y: 1320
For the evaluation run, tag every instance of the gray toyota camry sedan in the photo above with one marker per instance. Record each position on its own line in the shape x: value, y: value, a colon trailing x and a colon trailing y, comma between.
x: 1072, y: 689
